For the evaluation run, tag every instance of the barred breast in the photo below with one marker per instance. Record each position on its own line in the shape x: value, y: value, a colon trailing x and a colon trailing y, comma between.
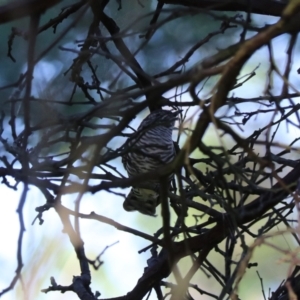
x: 149, y: 148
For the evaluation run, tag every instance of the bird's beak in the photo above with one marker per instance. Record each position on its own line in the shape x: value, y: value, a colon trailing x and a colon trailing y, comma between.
x: 176, y: 114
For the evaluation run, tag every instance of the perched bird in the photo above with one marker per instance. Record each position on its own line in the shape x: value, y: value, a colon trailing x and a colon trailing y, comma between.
x: 149, y: 148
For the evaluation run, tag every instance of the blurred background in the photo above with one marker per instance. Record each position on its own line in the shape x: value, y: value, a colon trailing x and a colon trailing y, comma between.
x: 46, y: 248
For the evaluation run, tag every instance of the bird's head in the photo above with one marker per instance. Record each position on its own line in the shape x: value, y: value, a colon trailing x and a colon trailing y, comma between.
x: 161, y: 117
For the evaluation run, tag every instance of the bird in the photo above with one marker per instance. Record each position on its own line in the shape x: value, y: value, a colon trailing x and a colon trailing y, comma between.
x: 149, y: 148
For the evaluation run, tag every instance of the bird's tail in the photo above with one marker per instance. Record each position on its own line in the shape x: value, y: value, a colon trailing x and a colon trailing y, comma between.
x: 142, y: 200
